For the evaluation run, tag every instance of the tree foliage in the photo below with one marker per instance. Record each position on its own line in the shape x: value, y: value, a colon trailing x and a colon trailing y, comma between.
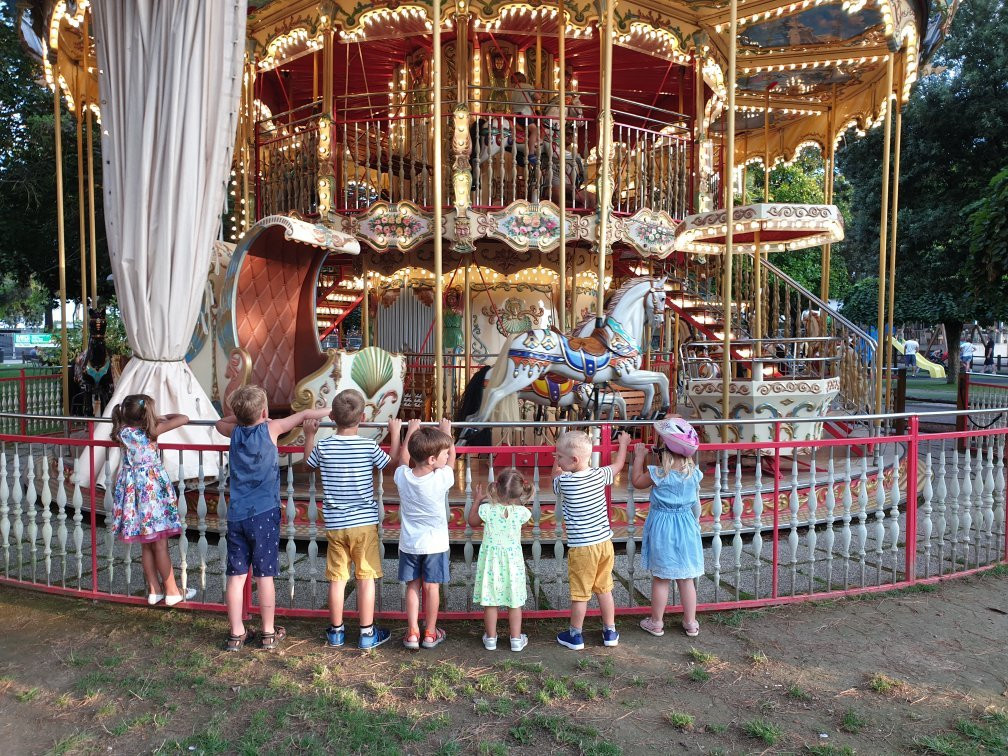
x: 28, y: 228
x: 988, y: 240
x: 955, y: 137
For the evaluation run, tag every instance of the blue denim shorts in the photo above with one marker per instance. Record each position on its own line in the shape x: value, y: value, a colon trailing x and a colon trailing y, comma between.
x: 254, y: 542
x: 431, y: 568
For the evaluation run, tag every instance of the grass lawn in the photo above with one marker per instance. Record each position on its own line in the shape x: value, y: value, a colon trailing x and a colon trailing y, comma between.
x: 933, y: 389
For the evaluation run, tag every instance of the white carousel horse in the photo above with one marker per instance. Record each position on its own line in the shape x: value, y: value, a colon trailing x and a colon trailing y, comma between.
x: 565, y: 393
x: 612, y: 353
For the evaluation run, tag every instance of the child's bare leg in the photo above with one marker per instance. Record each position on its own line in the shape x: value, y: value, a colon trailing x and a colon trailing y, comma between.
x: 431, y: 596
x: 608, y: 607
x: 164, y: 567
x: 578, y: 610
x: 267, y: 603
x: 687, y: 594
x: 490, y: 621
x: 514, y: 621
x: 234, y: 598
x: 337, y: 591
x: 149, y: 568
x: 659, y: 597
x: 365, y: 601
x: 413, y: 606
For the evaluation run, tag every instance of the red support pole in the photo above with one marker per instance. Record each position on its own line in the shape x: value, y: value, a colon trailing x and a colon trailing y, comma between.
x: 776, y: 508
x: 247, y: 597
x: 606, y: 459
x: 94, y: 515
x: 910, y: 541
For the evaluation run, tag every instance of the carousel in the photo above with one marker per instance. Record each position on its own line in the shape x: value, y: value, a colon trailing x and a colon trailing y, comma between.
x: 529, y: 210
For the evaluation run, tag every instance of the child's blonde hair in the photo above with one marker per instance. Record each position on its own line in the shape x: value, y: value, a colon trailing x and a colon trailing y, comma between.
x: 671, y: 461
x: 135, y: 411
x: 574, y: 442
x: 510, y: 488
x: 247, y: 404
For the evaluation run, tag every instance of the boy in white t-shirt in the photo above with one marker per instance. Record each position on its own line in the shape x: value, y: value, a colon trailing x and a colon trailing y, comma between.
x: 423, y: 529
x: 347, y: 462
x: 910, y: 349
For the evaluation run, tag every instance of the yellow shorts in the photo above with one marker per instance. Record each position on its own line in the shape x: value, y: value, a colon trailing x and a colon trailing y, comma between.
x: 589, y: 569
x: 358, y: 545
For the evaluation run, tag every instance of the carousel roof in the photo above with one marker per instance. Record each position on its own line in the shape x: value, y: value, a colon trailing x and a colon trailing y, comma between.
x: 821, y: 64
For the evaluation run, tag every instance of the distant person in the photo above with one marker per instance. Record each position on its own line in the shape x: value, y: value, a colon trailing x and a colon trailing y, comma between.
x: 910, y: 349
x: 966, y: 354
x: 989, y: 354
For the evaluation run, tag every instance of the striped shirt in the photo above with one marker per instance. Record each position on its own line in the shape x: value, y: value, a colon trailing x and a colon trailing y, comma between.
x: 585, y: 514
x: 347, y: 465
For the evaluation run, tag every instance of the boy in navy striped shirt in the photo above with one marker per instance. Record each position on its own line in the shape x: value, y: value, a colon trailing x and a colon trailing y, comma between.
x: 590, y: 553
x: 347, y: 462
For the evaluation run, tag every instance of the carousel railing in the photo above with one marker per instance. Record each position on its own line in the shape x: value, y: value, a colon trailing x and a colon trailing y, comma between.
x: 781, y: 520
x: 785, y: 359
x: 287, y: 162
x: 35, y: 392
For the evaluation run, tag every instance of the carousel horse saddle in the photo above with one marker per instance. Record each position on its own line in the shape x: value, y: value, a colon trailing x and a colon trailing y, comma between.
x: 595, y: 345
x: 586, y: 355
x: 552, y: 387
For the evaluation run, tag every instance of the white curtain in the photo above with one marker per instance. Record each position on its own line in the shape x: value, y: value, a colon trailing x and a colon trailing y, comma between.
x: 170, y: 74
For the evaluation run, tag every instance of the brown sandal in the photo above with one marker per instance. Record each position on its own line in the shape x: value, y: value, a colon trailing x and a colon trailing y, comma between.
x: 234, y: 643
x: 270, y: 641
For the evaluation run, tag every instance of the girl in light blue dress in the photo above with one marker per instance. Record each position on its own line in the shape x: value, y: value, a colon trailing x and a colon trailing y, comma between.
x: 672, y: 548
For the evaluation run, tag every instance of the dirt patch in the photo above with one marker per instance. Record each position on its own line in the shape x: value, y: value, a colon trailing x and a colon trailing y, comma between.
x: 921, y: 670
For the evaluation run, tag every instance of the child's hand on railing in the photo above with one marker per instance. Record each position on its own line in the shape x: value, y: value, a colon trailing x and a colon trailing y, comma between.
x: 640, y: 450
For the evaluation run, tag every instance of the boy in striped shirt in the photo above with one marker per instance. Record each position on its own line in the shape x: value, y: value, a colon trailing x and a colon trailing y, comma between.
x: 347, y: 462
x: 590, y: 553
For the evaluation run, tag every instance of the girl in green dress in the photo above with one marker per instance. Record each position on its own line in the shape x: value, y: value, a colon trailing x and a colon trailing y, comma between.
x: 500, y: 570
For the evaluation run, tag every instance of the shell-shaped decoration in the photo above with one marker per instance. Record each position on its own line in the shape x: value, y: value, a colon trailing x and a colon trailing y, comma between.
x: 371, y: 369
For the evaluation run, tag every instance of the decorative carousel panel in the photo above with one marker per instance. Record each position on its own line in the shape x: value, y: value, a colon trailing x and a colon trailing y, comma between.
x: 524, y: 226
x: 803, y: 399
x: 400, y: 226
x: 651, y: 234
x: 376, y: 374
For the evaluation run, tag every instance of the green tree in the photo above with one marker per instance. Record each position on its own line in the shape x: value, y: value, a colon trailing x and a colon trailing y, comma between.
x: 22, y: 304
x: 988, y: 241
x: 955, y: 137
x: 28, y: 231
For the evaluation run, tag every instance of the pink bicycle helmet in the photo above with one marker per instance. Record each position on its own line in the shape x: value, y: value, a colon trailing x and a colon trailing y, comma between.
x: 678, y: 436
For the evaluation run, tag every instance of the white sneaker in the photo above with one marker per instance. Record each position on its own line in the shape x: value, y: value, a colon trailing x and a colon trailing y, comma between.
x: 155, y: 598
x: 178, y: 598
x: 519, y: 643
x: 490, y: 644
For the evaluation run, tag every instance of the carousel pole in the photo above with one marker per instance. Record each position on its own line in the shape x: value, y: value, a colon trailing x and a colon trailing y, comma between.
x: 365, y: 305
x: 894, y: 100
x: 438, y: 222
x: 61, y: 242
x: 729, y: 189
x: 90, y: 169
x: 766, y: 148
x: 881, y: 360
x: 467, y: 321
x: 83, y: 223
x: 562, y: 53
x: 827, y: 253
x: 605, y: 183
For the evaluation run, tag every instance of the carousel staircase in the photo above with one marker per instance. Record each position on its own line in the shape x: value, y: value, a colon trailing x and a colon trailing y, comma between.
x: 333, y: 301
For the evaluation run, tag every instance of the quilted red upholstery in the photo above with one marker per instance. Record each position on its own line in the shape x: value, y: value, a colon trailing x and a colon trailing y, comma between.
x: 275, y: 292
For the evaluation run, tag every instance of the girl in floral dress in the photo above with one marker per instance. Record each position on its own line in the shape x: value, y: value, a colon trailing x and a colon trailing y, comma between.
x: 143, y: 502
x: 500, y: 569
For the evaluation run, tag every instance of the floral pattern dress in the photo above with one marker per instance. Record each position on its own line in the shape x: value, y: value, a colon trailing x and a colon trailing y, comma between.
x: 500, y: 569
x: 143, y: 503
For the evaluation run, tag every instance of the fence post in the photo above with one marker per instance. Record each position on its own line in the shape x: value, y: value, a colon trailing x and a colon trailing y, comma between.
x: 93, y: 506
x: 962, y: 403
x: 899, y: 400
x: 776, y: 507
x: 913, y: 450
x: 23, y: 401
x: 605, y: 458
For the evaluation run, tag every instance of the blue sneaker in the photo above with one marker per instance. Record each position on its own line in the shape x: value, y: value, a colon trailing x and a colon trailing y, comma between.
x: 335, y: 637
x: 379, y: 636
x: 610, y: 637
x: 571, y: 639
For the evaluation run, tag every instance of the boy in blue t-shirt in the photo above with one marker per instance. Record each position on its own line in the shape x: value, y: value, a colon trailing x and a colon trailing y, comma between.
x: 253, y: 518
